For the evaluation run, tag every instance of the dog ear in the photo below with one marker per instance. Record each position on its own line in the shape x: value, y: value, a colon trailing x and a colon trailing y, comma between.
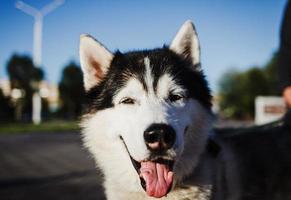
x: 186, y: 44
x: 95, y: 60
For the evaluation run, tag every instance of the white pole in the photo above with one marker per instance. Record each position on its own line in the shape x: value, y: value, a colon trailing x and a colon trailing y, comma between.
x: 37, y: 43
x: 37, y: 51
x: 36, y: 108
x: 37, y: 46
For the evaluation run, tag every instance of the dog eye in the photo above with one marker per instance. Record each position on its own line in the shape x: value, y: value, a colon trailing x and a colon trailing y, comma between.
x: 175, y: 97
x: 127, y: 100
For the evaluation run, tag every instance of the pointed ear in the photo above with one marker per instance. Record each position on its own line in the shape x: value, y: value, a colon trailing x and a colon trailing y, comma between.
x: 95, y: 60
x: 186, y: 44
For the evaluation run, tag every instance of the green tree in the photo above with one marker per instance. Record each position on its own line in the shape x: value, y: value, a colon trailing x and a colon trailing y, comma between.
x: 71, y: 91
x: 24, y: 76
x: 238, y: 90
x: 271, y: 73
x: 229, y: 92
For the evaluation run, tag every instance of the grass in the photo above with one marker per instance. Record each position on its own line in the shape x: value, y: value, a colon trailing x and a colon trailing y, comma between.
x: 52, y: 126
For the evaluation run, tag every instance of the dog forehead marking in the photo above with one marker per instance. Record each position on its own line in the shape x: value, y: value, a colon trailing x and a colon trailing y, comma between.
x: 148, y: 75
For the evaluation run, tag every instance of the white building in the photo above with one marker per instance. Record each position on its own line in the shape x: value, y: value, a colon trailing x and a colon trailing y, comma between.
x: 269, y: 109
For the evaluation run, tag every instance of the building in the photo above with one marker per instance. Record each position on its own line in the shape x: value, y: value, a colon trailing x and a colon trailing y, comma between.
x: 47, y: 90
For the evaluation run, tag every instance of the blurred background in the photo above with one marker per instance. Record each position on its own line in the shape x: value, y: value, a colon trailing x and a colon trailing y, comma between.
x: 41, y: 86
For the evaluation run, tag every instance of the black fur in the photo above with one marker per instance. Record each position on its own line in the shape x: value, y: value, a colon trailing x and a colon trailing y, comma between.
x: 254, y: 163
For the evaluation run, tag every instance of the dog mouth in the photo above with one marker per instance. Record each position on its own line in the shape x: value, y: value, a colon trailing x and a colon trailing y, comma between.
x: 156, y: 174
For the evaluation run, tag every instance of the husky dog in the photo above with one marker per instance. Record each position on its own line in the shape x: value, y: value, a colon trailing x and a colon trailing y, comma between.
x: 148, y: 117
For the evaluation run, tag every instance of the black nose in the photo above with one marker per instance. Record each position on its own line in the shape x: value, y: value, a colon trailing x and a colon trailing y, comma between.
x: 159, y: 137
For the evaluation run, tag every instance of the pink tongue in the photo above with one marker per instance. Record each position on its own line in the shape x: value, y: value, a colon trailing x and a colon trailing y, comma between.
x: 158, y: 178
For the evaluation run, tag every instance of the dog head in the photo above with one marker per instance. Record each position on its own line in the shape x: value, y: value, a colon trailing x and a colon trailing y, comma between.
x: 155, y: 103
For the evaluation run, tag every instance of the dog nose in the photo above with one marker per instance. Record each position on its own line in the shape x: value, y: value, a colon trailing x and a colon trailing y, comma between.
x: 159, y: 137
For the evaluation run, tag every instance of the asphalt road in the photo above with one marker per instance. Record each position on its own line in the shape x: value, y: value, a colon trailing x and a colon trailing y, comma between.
x: 52, y: 166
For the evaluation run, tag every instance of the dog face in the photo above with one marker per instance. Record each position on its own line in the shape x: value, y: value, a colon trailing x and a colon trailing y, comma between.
x: 154, y: 103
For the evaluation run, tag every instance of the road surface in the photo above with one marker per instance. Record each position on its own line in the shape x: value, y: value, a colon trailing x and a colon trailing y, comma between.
x: 51, y: 166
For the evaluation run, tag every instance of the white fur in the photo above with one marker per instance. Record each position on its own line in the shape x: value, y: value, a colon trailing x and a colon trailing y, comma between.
x: 148, y: 76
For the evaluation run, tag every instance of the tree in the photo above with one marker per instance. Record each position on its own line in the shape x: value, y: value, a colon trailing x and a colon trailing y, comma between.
x: 6, y: 109
x: 271, y: 72
x: 71, y: 91
x: 24, y: 76
x: 229, y: 94
x: 238, y: 90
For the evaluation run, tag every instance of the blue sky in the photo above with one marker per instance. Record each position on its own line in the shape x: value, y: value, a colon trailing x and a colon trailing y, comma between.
x: 233, y: 34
